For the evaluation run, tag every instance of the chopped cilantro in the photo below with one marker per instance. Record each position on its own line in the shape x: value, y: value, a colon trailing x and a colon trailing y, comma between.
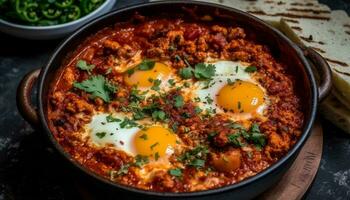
x: 154, y: 145
x: 81, y: 64
x: 204, y: 71
x: 186, y: 73
x: 97, y: 86
x: 236, y: 69
x: 144, y: 136
x: 187, y: 63
x: 123, y: 169
x: 187, y: 84
x: 101, y: 134
x: 171, y: 82
x: 197, y: 110
x: 175, y: 172
x: 197, y: 99
x: 177, y: 58
x: 156, y: 84
x: 128, y: 123
x: 179, y: 101
x: 136, y: 95
x: 156, y: 156
x: 239, y: 105
x: 195, y: 157
x: 146, y: 64
x: 110, y: 118
x: 235, y: 139
x: 141, y: 160
x: 158, y: 115
x: 209, y: 99
x: 250, y: 69
x: 230, y: 82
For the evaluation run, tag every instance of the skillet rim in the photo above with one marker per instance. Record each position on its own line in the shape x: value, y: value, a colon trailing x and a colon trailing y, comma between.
x: 294, y: 150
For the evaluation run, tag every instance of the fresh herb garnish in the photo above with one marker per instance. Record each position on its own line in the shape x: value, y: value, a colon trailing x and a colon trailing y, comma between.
x: 154, y: 145
x: 175, y: 172
x: 156, y: 84
x: 81, y: 64
x: 158, y: 115
x: 110, y: 118
x: 197, y: 110
x: 97, y: 86
x: 171, y: 82
x: 146, y: 65
x: 250, y: 69
x: 156, y: 156
x: 204, y: 71
x: 123, y: 169
x: 209, y: 99
x: 230, y: 82
x: 179, y: 101
x: 128, y: 123
x: 101, y: 134
x: 186, y: 72
x: 195, y: 157
x: 141, y: 160
x: 144, y: 136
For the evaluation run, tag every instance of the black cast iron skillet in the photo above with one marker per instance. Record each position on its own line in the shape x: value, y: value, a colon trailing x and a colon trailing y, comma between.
x: 299, y: 60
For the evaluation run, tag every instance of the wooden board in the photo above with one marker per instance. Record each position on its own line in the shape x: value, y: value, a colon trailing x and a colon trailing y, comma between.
x: 299, y: 177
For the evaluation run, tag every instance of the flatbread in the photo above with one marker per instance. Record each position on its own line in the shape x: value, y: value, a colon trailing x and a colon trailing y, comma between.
x: 331, y: 39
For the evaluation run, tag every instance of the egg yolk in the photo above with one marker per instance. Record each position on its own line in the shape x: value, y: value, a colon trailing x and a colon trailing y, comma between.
x: 142, y: 78
x: 154, y: 140
x: 240, y: 97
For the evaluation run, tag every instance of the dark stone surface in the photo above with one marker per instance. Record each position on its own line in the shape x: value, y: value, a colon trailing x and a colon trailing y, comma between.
x: 30, y: 169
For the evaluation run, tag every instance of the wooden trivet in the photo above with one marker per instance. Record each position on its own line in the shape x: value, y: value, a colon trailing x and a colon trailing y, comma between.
x: 299, y: 177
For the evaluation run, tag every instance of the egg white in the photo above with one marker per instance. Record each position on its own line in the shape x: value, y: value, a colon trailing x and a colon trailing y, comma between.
x: 225, y: 70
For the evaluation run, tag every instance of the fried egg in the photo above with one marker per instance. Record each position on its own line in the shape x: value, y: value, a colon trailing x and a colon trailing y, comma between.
x: 232, y: 91
x: 146, y: 79
x: 153, y: 140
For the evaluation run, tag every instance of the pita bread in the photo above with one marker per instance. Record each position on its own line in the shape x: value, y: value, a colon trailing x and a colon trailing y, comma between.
x: 330, y: 38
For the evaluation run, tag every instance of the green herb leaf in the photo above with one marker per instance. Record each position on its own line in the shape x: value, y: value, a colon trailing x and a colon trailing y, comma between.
x: 156, y: 156
x: 154, y: 145
x: 198, y: 163
x: 175, y: 172
x: 195, y: 157
x: 144, y: 136
x: 158, y: 115
x: 146, y: 64
x: 128, y: 123
x: 250, y: 69
x: 171, y: 82
x: 179, y: 101
x: 141, y: 160
x: 186, y: 73
x: 123, y: 169
x: 81, y: 64
x: 203, y: 71
x: 97, y: 86
x: 110, y: 118
x: 101, y: 134
x: 156, y: 84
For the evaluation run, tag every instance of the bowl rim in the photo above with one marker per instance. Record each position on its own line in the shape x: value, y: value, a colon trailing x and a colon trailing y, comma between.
x: 71, y: 23
x: 295, y: 149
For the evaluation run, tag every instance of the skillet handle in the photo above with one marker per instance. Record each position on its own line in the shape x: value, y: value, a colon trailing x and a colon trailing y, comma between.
x: 23, y: 98
x: 323, y: 69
